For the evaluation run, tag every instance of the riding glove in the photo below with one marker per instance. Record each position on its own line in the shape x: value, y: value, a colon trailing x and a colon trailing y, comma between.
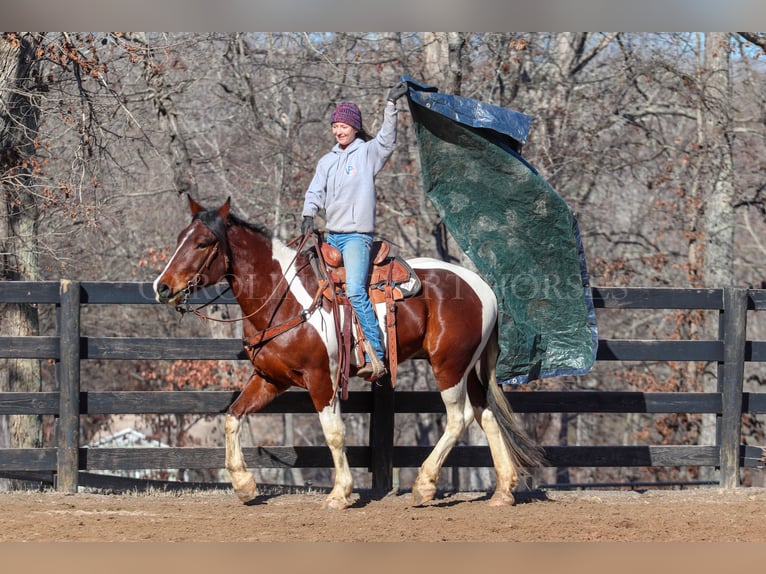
x: 307, y: 225
x: 397, y: 91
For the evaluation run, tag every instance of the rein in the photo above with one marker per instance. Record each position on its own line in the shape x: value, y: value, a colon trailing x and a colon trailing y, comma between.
x: 271, y: 332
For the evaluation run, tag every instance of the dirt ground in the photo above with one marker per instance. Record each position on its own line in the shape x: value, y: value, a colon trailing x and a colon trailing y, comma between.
x: 691, y: 515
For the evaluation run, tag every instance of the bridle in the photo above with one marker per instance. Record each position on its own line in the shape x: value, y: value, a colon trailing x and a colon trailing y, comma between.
x: 184, y: 306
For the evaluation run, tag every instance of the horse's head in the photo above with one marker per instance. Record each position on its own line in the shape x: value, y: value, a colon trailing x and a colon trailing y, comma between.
x: 201, y: 257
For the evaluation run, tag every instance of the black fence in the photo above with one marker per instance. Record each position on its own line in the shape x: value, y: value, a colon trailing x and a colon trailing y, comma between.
x: 68, y: 461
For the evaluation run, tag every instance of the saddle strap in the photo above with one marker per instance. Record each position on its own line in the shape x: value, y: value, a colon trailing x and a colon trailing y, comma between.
x: 266, y: 335
x: 346, y: 350
x: 391, y: 327
x: 340, y: 336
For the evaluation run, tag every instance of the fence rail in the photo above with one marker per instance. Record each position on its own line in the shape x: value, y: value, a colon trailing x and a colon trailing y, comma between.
x: 67, y: 459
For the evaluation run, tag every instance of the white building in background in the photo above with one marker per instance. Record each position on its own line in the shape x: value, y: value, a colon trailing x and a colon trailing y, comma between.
x: 131, y: 438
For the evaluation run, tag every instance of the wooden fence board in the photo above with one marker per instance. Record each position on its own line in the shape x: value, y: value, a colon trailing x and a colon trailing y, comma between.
x: 755, y: 351
x: 659, y: 350
x: 129, y: 293
x: 212, y: 402
x: 754, y: 403
x: 213, y: 457
x: 616, y: 455
x: 576, y: 402
x: 613, y: 402
x: 753, y: 456
x: 757, y: 299
x: 205, y: 402
x: 113, y: 348
x: 29, y: 347
x: 359, y: 457
x: 42, y: 292
x: 32, y: 459
x: 656, y: 298
x: 403, y: 457
x: 579, y: 456
x: 132, y: 348
x: 42, y: 403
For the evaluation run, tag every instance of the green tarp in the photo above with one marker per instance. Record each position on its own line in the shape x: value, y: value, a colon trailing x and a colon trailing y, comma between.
x: 522, y: 237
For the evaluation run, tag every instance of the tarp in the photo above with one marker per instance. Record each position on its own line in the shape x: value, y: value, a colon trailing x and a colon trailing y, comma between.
x: 521, y: 235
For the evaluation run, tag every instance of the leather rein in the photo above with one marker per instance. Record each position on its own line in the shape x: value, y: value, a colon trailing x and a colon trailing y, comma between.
x: 271, y: 332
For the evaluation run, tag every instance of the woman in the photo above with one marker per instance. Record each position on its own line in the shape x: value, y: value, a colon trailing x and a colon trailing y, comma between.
x: 343, y: 187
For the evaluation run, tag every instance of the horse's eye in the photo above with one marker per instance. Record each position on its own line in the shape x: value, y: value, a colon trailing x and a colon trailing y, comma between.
x: 204, y: 244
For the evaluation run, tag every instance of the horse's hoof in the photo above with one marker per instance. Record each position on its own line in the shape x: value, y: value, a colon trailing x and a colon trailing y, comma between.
x: 422, y: 495
x: 245, y: 497
x: 247, y: 492
x: 502, y: 500
x: 335, y: 504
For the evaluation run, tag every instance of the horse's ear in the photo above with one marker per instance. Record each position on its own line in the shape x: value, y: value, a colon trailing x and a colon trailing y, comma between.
x: 225, y: 209
x: 195, y: 207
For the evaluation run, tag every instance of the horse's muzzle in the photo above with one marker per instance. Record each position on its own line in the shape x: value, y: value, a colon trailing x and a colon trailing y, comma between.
x: 163, y: 293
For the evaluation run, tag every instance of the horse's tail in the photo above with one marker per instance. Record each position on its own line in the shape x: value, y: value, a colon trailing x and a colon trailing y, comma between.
x: 524, y: 451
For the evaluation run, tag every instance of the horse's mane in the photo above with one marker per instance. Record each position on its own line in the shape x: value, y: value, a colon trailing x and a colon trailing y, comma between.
x: 216, y: 225
x: 257, y: 227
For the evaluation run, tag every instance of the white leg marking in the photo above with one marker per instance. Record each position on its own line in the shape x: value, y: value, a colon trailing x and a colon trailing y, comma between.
x: 242, y: 480
x: 459, y: 415
x: 507, y: 477
x: 335, y: 435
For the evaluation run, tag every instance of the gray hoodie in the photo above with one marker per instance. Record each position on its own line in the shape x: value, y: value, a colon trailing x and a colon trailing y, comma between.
x: 344, y: 182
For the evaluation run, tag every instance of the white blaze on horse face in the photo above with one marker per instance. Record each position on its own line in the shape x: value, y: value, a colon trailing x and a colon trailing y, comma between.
x: 181, y: 245
x: 319, y: 319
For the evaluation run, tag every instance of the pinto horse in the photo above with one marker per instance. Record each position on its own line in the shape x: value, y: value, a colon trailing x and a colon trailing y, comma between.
x: 452, y: 323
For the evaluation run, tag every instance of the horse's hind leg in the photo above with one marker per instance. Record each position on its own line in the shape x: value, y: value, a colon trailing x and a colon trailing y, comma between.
x: 335, y: 436
x: 480, y: 393
x: 459, y: 415
x: 507, y: 478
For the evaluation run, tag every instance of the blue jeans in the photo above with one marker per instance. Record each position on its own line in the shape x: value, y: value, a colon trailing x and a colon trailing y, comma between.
x: 355, y: 248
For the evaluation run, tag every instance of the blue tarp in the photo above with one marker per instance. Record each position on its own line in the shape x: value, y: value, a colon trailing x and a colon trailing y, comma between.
x: 520, y: 234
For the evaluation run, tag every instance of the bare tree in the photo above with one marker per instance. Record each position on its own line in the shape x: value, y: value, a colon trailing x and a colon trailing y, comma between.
x: 717, y: 205
x: 19, y: 255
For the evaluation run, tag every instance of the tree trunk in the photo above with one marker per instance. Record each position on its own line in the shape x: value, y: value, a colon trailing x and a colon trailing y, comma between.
x: 718, y: 201
x: 18, y: 223
x: 718, y: 215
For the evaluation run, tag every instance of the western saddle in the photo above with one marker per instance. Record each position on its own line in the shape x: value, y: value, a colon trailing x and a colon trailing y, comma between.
x: 391, y: 279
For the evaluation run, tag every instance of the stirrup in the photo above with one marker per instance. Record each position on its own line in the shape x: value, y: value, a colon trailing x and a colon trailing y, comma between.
x: 368, y: 371
x: 374, y: 368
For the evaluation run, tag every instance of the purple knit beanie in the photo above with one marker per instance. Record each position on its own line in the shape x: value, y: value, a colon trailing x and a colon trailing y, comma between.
x: 347, y: 113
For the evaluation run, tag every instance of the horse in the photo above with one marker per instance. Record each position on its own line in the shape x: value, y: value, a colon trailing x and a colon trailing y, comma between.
x: 452, y: 323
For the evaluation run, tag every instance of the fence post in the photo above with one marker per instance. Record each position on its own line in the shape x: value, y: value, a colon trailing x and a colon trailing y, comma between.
x: 733, y: 331
x: 69, y: 388
x: 382, y: 436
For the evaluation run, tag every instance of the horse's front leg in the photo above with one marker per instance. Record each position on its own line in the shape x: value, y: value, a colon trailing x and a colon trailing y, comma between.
x: 335, y: 435
x: 242, y: 480
x: 257, y: 394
